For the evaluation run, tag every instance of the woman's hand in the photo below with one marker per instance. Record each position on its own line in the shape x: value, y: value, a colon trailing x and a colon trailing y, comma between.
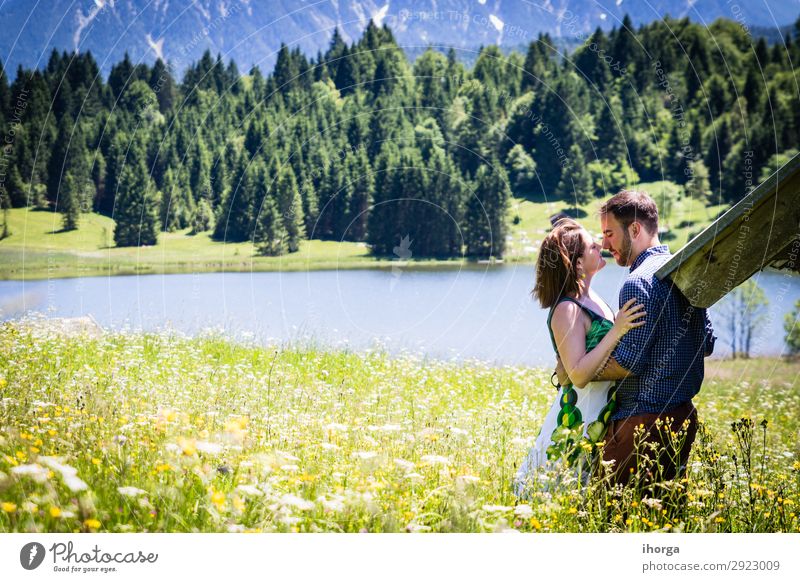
x: 628, y: 318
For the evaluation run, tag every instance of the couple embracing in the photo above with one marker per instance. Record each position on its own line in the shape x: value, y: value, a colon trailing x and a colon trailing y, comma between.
x: 624, y: 379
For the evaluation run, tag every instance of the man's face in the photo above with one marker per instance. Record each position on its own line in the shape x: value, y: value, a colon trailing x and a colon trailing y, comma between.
x: 616, y: 239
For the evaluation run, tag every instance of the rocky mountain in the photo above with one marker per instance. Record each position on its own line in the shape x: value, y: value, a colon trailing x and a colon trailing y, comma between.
x: 250, y: 31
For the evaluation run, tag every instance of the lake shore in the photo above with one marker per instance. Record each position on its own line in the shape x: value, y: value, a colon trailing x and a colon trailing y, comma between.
x: 37, y: 265
x: 38, y: 249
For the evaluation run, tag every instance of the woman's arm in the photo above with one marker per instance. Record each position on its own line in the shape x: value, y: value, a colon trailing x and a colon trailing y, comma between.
x: 569, y: 331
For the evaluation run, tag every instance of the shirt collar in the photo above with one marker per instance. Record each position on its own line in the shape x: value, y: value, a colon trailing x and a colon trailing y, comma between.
x: 655, y: 250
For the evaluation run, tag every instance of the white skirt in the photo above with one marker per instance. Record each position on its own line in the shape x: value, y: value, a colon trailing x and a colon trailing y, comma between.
x: 591, y: 400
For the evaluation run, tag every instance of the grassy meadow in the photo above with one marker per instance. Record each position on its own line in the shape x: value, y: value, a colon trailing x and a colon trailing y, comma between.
x: 38, y: 248
x: 160, y: 433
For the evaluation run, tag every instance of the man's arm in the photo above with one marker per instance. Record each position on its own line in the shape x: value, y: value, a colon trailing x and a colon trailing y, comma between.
x: 612, y: 371
x: 632, y: 353
x: 710, y: 337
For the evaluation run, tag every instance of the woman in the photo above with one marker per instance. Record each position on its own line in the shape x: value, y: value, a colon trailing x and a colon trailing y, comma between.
x: 584, y: 332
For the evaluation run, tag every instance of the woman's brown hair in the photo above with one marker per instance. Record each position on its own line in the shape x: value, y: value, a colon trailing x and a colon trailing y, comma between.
x: 556, y: 273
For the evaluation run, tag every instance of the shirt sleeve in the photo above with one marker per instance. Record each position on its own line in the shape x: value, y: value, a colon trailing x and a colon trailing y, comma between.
x: 710, y: 337
x: 633, y: 350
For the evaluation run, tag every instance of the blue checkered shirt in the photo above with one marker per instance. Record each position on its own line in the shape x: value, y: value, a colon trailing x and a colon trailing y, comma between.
x: 666, y: 354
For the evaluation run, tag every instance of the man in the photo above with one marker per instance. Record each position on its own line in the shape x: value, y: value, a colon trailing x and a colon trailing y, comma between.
x: 660, y: 364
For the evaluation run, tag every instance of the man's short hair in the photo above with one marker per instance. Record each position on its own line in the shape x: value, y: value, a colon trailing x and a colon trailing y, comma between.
x: 630, y: 206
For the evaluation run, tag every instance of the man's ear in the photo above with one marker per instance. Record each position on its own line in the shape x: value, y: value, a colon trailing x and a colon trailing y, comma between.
x: 636, y: 228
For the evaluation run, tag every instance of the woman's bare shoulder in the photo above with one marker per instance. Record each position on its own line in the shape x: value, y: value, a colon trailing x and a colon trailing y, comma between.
x: 566, y: 314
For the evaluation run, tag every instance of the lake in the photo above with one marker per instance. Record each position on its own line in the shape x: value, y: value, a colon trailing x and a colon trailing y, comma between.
x: 482, y: 312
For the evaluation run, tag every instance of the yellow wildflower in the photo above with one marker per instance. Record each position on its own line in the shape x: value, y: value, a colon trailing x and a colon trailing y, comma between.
x: 92, y: 523
x: 188, y: 446
x: 8, y: 507
x: 55, y: 512
x: 218, y: 499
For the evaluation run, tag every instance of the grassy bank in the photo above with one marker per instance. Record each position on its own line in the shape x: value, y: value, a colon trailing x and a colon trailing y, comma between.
x: 38, y: 249
x: 158, y: 433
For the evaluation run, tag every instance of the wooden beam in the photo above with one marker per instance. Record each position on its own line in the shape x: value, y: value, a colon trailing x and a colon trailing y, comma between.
x: 764, y: 227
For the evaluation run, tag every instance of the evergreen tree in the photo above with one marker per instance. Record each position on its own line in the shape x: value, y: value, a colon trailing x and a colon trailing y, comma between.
x: 286, y: 70
x: 58, y: 158
x: 69, y: 155
x: 381, y: 235
x: 576, y: 182
x: 200, y: 175
x: 445, y: 192
x: 235, y: 222
x: 677, y: 156
x: 719, y: 145
x: 521, y: 126
x: 69, y: 202
x: 290, y: 207
x: 791, y: 325
x: 5, y: 205
x: 522, y: 170
x: 136, y: 213
x: 485, y: 228
x: 698, y: 188
x: 590, y: 64
x: 718, y: 97
x: 472, y: 126
x: 308, y: 196
x: 120, y: 76
x: 387, y: 156
x: 623, y: 42
x: 610, y: 142
x: 336, y: 50
x: 430, y: 76
x: 490, y: 69
x: 177, y: 207
x: 347, y: 73
x: 753, y: 90
x: 5, y: 94
x: 270, y: 234
x: 735, y: 182
x: 203, y: 217
x: 555, y: 133
x: 163, y: 85
x: 16, y: 190
x: 536, y: 64
x: 359, y: 186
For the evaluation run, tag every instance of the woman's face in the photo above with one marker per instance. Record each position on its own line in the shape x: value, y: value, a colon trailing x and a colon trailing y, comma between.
x: 592, y: 260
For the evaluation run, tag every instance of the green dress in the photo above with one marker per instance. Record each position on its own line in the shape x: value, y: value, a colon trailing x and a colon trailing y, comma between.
x: 579, y: 417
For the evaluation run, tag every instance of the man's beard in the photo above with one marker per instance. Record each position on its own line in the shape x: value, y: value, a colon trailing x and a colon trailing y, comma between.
x: 625, y: 250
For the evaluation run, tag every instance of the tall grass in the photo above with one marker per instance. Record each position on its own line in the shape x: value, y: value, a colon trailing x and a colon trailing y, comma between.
x: 165, y: 433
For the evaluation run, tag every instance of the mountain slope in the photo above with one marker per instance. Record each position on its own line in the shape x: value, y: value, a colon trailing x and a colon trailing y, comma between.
x: 250, y: 31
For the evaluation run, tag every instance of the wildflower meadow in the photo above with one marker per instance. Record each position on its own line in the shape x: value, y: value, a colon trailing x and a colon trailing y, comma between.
x: 163, y: 433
